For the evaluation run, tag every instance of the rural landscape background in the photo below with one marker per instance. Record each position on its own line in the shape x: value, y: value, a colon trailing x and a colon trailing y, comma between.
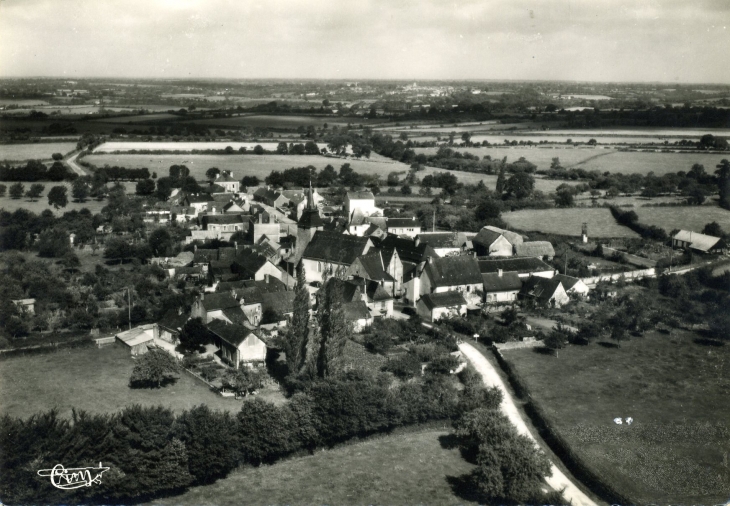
x: 602, y: 140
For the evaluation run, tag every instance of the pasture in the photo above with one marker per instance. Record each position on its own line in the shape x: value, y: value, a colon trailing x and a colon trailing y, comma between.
x: 601, y: 223
x: 686, y: 217
x: 637, y: 162
x: 95, y: 380
x: 276, y: 121
x: 40, y: 205
x: 540, y: 156
x: 243, y: 165
x: 141, y: 118
x: 33, y: 151
x: 674, y: 390
x: 111, y: 147
x: 402, y: 468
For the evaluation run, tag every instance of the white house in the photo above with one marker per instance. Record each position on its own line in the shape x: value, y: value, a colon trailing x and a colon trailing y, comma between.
x: 501, y: 287
x: 238, y: 345
x: 434, y: 306
x: 573, y: 285
x: 230, y: 184
x: 435, y: 275
x: 403, y: 226
x: 364, y: 201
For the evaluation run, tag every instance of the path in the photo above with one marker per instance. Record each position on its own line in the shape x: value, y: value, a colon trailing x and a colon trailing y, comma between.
x: 558, y: 480
x: 71, y: 162
x: 582, y: 162
x: 546, y: 323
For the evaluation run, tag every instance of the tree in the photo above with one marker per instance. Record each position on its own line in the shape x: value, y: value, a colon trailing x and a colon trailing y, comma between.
x: 393, y: 179
x: 714, y: 229
x: 58, y: 197
x: 519, y: 185
x: 194, y: 336
x: 723, y: 182
x: 556, y: 339
x: 282, y: 148
x: 500, y: 180
x: 164, y: 188
x: 248, y: 181
x: 153, y: 368
x: 564, y: 198
x: 35, y: 191
x: 466, y: 137
x: 243, y: 380
x: 334, y: 329
x: 160, y: 241
x: 212, y: 173
x: 311, y: 148
x: 295, y: 340
x: 145, y: 187
x: 80, y: 190
x: 16, y: 190
x: 406, y: 190
x: 265, y: 431
x: 258, y: 150
x: 57, y: 156
x: 3, y: 189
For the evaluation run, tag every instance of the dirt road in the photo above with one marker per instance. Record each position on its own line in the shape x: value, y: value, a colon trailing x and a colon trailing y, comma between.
x: 71, y: 162
x: 558, y: 480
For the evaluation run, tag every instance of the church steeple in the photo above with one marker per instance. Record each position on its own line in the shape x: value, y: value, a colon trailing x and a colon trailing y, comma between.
x: 310, y: 216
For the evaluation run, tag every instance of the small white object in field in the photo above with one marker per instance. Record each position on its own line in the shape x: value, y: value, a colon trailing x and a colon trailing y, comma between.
x: 618, y: 421
x: 629, y: 420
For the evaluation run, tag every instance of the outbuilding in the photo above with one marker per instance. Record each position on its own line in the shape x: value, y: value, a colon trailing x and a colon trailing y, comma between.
x: 434, y: 306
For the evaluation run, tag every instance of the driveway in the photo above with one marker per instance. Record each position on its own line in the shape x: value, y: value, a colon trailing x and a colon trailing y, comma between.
x: 558, y: 481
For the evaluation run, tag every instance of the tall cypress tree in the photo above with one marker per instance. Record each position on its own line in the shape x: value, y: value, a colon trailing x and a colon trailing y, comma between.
x: 334, y: 329
x: 501, y: 178
x: 723, y: 183
x: 295, y: 340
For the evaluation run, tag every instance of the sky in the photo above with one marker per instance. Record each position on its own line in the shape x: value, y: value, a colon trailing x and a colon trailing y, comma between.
x: 675, y: 41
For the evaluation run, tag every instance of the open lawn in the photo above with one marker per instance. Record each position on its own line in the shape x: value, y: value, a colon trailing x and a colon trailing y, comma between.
x: 243, y: 165
x: 568, y: 222
x: 674, y: 389
x: 95, y: 380
x: 687, y: 217
x: 405, y: 468
x: 34, y: 151
x: 630, y: 162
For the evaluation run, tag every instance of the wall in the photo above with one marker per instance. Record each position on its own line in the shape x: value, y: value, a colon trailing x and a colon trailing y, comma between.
x: 501, y: 297
x: 627, y: 276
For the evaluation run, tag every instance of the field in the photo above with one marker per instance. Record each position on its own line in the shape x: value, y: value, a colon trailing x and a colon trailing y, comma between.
x: 92, y: 379
x: 542, y: 157
x: 35, y: 151
x: 243, y: 165
x: 687, y: 218
x: 629, y: 162
x: 675, y: 391
x: 405, y: 468
x: 110, y: 147
x: 568, y: 222
x: 142, y: 118
x: 273, y: 121
x: 41, y: 204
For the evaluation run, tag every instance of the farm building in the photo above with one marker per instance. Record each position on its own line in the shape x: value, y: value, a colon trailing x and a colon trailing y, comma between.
x: 434, y: 306
x: 573, y: 285
x: 403, y: 226
x: 329, y: 251
x: 544, y: 291
x: 501, y: 287
x: 357, y: 313
x: 364, y: 201
x: 171, y: 325
x: 536, y: 249
x: 238, y: 345
x: 444, y: 243
x: 138, y: 339
x: 701, y: 243
x: 26, y: 305
x: 523, y: 266
x: 493, y: 244
x: 455, y: 273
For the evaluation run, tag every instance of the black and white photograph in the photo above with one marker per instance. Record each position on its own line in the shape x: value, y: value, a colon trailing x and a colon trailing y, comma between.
x: 365, y: 252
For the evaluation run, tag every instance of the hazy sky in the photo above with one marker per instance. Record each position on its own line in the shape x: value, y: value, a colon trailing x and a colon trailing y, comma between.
x: 597, y: 40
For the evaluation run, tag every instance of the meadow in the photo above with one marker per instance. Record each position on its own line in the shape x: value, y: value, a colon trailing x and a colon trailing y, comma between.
x: 601, y: 223
x: 142, y: 118
x: 113, y: 146
x: 673, y: 388
x: 637, y: 162
x: 40, y: 205
x: 540, y: 156
x: 33, y: 151
x: 402, y: 468
x: 686, y: 217
x: 276, y: 121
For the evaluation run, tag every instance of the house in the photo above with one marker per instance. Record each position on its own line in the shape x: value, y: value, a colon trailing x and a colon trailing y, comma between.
x: 444, y: 243
x: 512, y: 237
x: 370, y: 267
x: 544, y: 291
x: 449, y: 274
x: 138, y: 339
x: 701, y: 243
x: 434, y: 306
x: 536, y: 249
x: 226, y: 224
x: 501, y: 287
x: 491, y: 243
x: 403, y: 226
x: 329, y: 251
x: 211, y: 306
x: 229, y: 184
x: 251, y: 264
x: 278, y: 303
x: 378, y: 301
x: 523, y: 266
x: 199, y: 201
x: 171, y: 325
x: 401, y: 256
x: 357, y: 314
x: 263, y: 224
x: 573, y: 285
x: 25, y: 305
x: 238, y: 344
x: 183, y: 214
x: 364, y: 201
x: 360, y: 223
x: 270, y: 197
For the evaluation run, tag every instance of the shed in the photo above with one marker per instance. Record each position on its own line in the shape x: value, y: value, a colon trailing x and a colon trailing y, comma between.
x: 138, y: 339
x: 434, y: 306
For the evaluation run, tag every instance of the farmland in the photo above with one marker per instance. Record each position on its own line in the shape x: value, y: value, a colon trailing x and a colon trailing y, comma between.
x: 275, y: 121
x: 542, y: 156
x: 687, y: 218
x: 111, y: 147
x: 568, y: 222
x: 94, y: 380
x: 672, y: 388
x: 630, y: 162
x: 34, y: 151
x: 405, y: 468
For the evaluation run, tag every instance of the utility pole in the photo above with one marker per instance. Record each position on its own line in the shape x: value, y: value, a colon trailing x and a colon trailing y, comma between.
x: 433, y: 223
x: 129, y: 308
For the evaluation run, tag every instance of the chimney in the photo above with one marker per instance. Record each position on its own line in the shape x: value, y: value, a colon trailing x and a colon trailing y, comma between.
x: 417, y: 241
x: 195, y: 248
x: 499, y: 272
x: 235, y: 245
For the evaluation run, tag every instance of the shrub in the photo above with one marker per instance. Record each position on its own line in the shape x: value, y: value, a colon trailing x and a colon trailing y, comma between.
x: 406, y: 365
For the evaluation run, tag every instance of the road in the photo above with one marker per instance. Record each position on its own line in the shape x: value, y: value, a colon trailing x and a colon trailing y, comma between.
x: 71, y: 162
x: 558, y: 481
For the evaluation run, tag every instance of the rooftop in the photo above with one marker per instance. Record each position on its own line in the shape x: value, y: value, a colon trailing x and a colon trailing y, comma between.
x: 443, y: 299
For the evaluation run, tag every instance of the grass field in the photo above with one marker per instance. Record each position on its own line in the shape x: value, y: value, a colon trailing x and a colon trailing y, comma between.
x: 35, y: 151
x: 274, y: 121
x: 243, y: 165
x: 629, y: 162
x: 568, y: 222
x: 687, y: 218
x: 95, y: 380
x: 41, y: 204
x: 110, y: 147
x: 674, y: 389
x: 542, y: 157
x: 406, y: 468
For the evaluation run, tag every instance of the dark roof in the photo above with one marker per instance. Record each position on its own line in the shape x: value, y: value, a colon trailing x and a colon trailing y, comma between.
x: 222, y: 219
x: 219, y: 300
x: 442, y: 239
x: 356, y: 310
x: 453, y: 271
x: 486, y: 237
x: 360, y: 195
x: 443, y: 299
x: 403, y: 222
x: 406, y: 248
x: 534, y: 249
x: 204, y: 256
x: 173, y: 320
x: 567, y: 281
x: 508, y: 281
x: 199, y: 198
x: 376, y: 292
x: 248, y: 262
x: 282, y: 302
x: 231, y: 333
x: 349, y: 290
x: 310, y: 219
x: 540, y: 288
x: 521, y: 265
x: 236, y: 315
x: 372, y: 263
x: 336, y: 248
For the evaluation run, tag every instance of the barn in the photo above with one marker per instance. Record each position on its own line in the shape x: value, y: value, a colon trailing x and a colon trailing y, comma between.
x: 138, y: 339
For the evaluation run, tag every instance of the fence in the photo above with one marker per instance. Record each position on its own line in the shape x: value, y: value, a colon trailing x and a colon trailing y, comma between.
x: 626, y: 276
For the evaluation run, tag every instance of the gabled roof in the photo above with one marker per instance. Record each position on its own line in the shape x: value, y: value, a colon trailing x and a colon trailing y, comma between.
x: 512, y: 237
x: 511, y: 264
x: 406, y: 248
x: 508, y: 281
x: 219, y: 300
x: 336, y: 248
x: 453, y: 271
x: 443, y: 299
x: 233, y: 334
x: 248, y: 262
x: 135, y: 336
x: 534, y: 249
x: 372, y: 263
x: 272, y: 285
x: 226, y: 178
x: 375, y: 292
x: 402, y: 223
x: 486, y: 237
x: 236, y: 315
x: 282, y: 302
x: 701, y: 242
x: 540, y: 288
x: 443, y: 239
x: 360, y: 195
x: 356, y: 310
x: 222, y: 219
x: 567, y: 281
x: 173, y: 320
x: 199, y: 198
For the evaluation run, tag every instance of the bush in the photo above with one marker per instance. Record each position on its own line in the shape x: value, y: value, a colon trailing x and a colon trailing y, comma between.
x: 404, y: 366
